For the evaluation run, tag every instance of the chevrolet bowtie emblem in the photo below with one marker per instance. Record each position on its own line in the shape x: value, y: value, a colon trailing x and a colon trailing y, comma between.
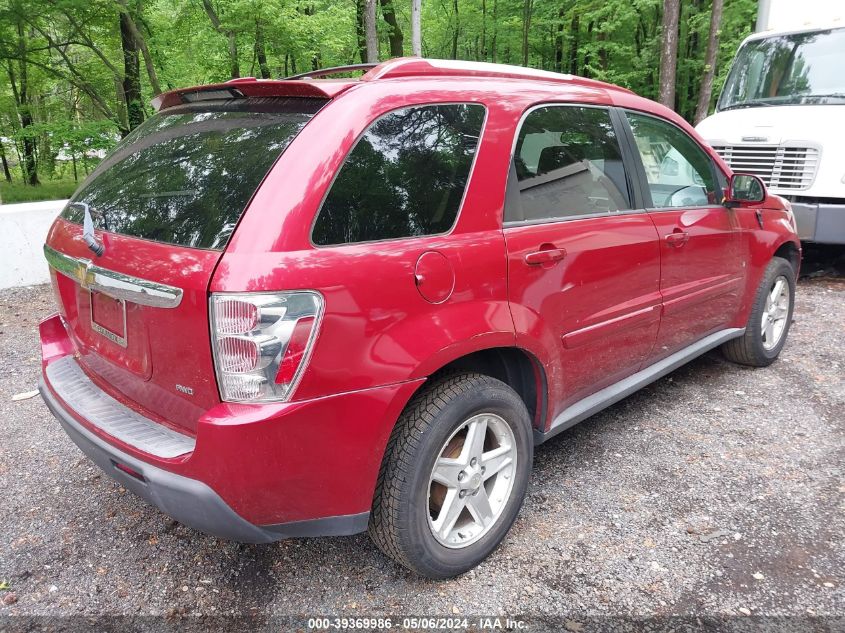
x: 84, y: 275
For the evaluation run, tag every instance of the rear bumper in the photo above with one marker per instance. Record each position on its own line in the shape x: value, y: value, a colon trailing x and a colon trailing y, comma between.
x: 822, y: 223
x: 252, y: 473
x: 187, y: 500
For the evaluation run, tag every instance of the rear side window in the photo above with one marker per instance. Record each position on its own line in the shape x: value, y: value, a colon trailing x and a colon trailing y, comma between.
x: 186, y: 175
x: 405, y: 177
x: 568, y: 163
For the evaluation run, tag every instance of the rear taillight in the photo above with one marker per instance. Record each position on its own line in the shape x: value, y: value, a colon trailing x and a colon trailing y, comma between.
x: 262, y: 342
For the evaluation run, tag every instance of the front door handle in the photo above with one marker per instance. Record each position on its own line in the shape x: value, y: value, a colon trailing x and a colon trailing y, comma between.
x: 677, y: 239
x: 545, y: 256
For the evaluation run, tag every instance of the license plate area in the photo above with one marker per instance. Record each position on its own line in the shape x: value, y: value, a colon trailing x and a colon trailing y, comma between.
x: 108, y: 317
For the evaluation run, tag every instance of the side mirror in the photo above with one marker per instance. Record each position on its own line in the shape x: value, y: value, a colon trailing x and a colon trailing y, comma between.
x: 743, y: 188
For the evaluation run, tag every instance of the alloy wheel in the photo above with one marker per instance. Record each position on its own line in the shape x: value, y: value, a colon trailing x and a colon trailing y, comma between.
x: 472, y: 480
x: 775, y: 313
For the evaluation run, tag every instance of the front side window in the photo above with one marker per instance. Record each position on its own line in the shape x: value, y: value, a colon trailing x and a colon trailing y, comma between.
x: 568, y: 163
x: 678, y: 171
x: 405, y: 177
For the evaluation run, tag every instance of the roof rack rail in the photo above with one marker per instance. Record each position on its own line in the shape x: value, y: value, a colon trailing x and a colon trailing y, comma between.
x: 416, y: 67
x: 419, y: 67
x: 334, y: 70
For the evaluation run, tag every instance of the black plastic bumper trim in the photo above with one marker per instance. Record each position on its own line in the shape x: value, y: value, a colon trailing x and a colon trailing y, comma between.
x: 187, y: 500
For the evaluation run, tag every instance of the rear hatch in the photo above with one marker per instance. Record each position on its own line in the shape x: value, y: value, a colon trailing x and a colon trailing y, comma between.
x: 164, y: 205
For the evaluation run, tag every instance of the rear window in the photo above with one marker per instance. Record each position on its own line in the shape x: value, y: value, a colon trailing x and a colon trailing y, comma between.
x: 405, y: 177
x: 186, y: 175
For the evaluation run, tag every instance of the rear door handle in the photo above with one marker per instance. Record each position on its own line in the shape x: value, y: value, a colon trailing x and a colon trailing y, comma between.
x: 678, y: 238
x: 545, y: 256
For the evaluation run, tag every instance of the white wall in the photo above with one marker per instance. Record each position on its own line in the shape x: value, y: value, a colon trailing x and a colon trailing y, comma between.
x: 23, y: 228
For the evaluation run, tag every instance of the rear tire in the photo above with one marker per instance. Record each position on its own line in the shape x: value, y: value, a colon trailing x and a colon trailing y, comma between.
x: 770, y: 318
x: 454, y: 475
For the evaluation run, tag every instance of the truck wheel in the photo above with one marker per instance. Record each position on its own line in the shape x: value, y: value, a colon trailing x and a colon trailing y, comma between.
x: 453, y: 476
x: 771, y: 315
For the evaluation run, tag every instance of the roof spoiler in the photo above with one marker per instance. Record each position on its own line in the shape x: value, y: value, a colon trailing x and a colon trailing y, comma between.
x: 251, y: 87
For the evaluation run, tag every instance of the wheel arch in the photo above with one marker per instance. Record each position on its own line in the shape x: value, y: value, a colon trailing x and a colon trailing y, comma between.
x: 791, y: 253
x: 514, y: 366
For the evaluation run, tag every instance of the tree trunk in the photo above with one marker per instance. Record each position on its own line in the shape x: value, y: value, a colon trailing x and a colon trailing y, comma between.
x: 705, y: 91
x: 457, y: 29
x: 261, y: 51
x: 395, y: 36
x: 575, y: 29
x: 370, y: 31
x: 588, y: 58
x: 526, y: 29
x: 559, y: 41
x: 669, y: 53
x: 29, y: 163
x: 131, y: 74
x: 360, y: 35
x: 416, y: 32
x: 686, y: 107
x: 601, y: 37
x: 6, y: 173
x: 142, y: 46
x: 235, y: 69
x: 493, y: 43
x: 484, y: 30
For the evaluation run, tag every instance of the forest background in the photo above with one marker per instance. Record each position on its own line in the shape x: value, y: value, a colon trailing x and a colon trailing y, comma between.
x: 77, y: 75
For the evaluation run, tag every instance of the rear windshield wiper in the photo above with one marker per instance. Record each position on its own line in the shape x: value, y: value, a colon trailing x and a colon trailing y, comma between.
x: 88, y: 229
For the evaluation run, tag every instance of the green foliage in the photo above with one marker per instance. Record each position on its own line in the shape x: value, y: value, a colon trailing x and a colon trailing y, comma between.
x: 63, y: 72
x: 13, y: 192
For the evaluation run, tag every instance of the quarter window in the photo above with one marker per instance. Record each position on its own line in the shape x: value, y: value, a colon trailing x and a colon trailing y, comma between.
x: 405, y: 177
x: 678, y: 171
x: 568, y: 163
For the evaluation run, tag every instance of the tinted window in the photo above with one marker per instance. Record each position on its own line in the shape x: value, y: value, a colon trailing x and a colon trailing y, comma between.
x: 405, y: 177
x: 679, y: 172
x: 186, y: 175
x: 568, y: 163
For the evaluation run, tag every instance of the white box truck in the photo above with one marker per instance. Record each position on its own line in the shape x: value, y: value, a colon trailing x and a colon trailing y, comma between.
x: 781, y: 114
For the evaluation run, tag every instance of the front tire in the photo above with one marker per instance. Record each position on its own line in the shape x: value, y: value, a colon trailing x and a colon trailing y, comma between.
x: 770, y: 318
x: 454, y: 475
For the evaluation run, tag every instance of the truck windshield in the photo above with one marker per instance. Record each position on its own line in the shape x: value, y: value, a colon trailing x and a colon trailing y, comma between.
x: 801, y: 68
x: 185, y: 176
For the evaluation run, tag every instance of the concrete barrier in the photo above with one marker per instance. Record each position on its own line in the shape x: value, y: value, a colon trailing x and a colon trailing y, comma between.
x: 23, y: 228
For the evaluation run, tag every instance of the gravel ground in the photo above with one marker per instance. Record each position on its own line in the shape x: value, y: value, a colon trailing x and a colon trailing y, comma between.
x: 716, y: 491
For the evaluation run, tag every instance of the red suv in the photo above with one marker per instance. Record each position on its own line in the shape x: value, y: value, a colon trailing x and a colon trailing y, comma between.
x: 322, y: 306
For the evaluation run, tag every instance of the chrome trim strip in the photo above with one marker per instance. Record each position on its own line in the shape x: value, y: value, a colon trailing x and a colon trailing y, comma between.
x: 114, y: 284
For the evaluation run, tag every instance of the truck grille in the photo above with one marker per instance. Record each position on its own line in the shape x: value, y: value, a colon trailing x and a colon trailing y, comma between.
x: 780, y: 166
